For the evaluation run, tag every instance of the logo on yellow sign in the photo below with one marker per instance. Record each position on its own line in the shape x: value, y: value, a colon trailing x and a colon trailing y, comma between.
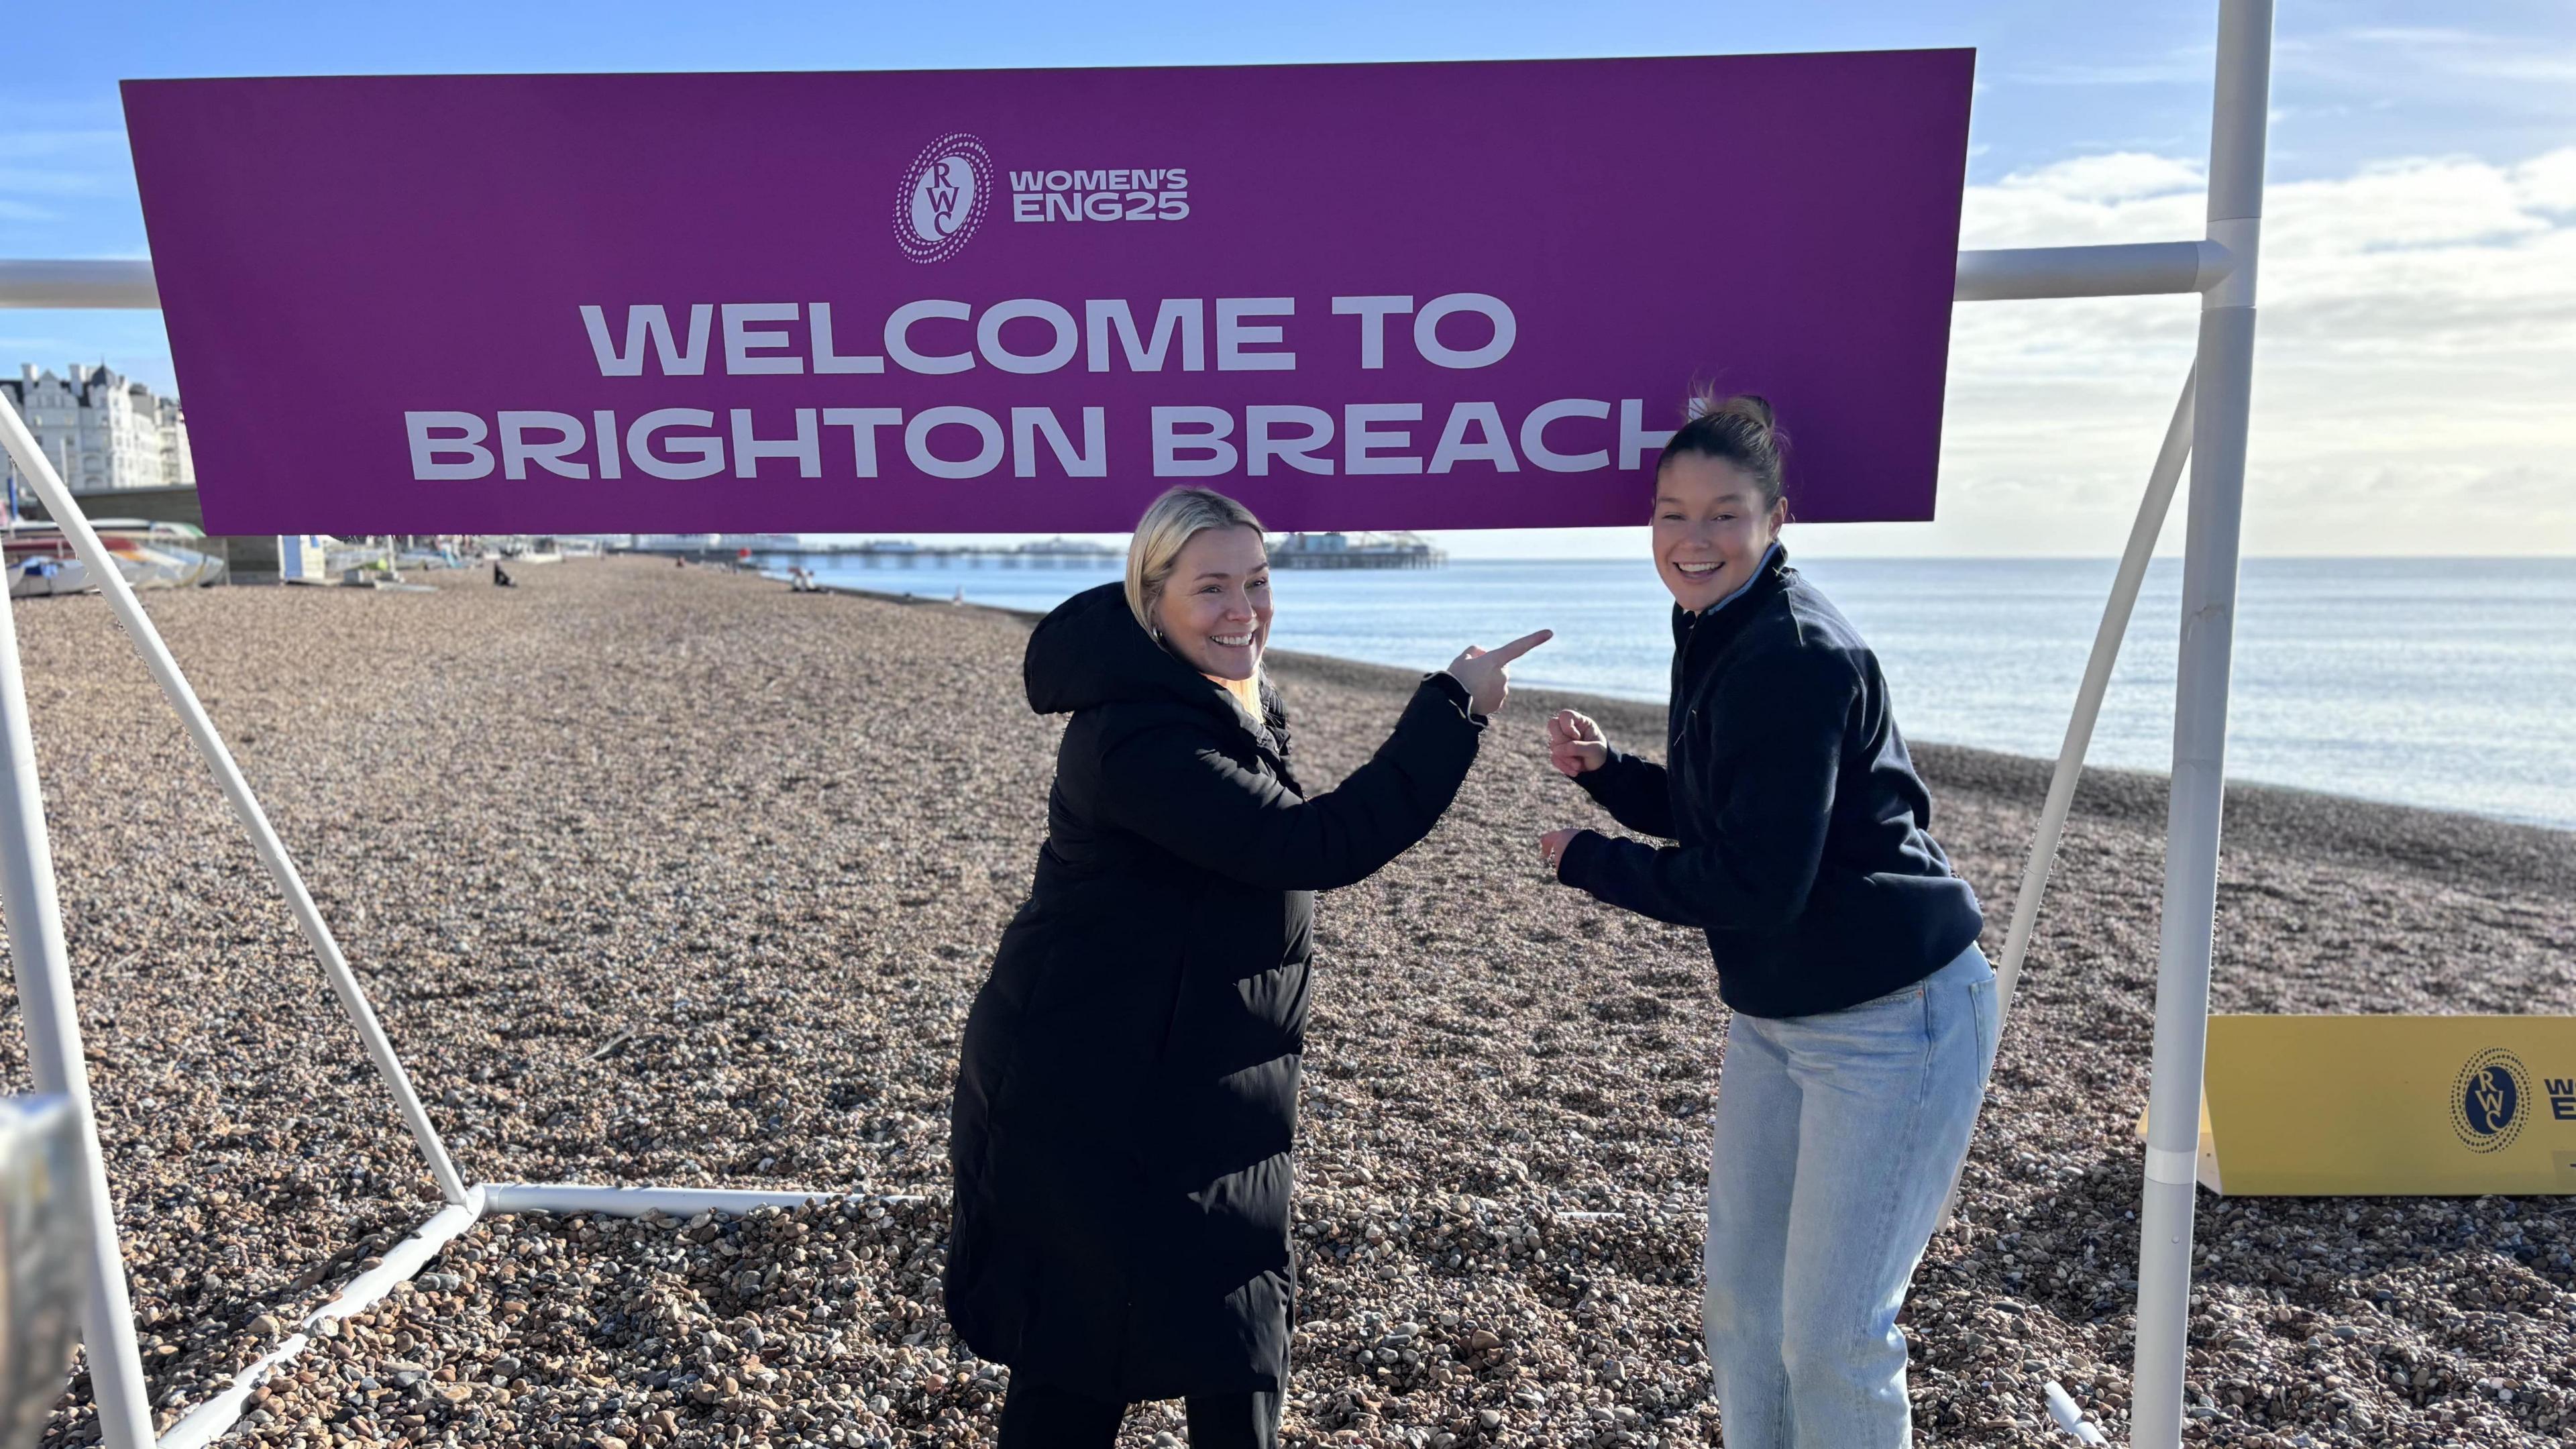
x: 2491, y: 1100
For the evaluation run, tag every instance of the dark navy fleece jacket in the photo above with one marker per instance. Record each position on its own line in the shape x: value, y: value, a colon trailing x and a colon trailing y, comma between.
x: 1801, y: 835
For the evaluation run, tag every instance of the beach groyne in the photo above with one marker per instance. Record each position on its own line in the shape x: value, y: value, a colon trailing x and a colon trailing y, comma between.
x: 672, y: 875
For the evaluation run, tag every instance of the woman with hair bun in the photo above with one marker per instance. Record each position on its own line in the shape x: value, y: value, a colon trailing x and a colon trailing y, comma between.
x: 1127, y: 1090
x: 1799, y: 840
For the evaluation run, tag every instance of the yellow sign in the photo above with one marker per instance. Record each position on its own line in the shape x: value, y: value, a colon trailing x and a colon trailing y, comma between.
x: 2416, y: 1106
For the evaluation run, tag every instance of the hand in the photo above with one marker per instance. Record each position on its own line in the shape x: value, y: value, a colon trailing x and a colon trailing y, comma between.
x: 1575, y: 744
x: 1551, y: 846
x: 1486, y: 672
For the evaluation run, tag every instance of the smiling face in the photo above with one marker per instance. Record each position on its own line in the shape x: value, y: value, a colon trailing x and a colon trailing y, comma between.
x: 1711, y: 528
x: 1214, y: 610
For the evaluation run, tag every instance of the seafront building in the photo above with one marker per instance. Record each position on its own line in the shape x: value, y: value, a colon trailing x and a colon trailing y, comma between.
x: 1354, y: 551
x: 700, y: 542
x: 103, y: 430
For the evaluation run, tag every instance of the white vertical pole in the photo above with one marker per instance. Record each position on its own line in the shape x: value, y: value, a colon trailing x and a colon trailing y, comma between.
x: 54, y: 1053
x: 20, y: 443
x: 2226, y: 368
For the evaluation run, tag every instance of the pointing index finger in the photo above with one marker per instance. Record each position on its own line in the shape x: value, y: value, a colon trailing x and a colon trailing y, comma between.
x: 1520, y: 646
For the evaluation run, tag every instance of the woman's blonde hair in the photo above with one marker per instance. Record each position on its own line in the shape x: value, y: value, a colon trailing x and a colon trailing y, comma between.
x: 1167, y: 527
x: 1155, y: 550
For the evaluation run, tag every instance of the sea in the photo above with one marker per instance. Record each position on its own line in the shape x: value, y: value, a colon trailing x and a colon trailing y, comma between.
x: 2445, y: 683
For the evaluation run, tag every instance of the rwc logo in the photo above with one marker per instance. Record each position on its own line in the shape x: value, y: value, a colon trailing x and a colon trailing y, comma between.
x: 944, y: 195
x: 2491, y: 1100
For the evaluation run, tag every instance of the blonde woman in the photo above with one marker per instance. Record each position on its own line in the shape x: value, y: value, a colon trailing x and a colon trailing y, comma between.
x: 1127, y: 1092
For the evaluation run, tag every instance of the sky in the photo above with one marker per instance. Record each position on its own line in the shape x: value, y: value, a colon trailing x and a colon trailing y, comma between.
x: 2415, y: 385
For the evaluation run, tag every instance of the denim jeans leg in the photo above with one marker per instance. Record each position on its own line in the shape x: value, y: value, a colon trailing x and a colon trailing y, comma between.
x: 1890, y: 1091
x: 1753, y: 1153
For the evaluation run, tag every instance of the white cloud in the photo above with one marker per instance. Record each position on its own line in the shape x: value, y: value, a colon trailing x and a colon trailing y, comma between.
x: 83, y: 141
x: 19, y: 181
x: 2512, y: 77
x: 2414, y: 203
x: 43, y: 166
x: 2118, y: 176
x: 2548, y: 182
x: 63, y: 164
x: 2089, y: 201
x: 2416, y: 35
x: 2187, y: 66
x: 2473, y: 55
x: 2416, y: 363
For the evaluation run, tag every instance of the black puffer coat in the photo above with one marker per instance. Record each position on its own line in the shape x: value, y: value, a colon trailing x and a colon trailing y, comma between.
x: 1126, y: 1102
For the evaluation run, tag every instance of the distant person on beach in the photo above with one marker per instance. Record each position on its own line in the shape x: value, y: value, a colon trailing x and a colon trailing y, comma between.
x: 1864, y: 1015
x: 1127, y: 1089
x: 501, y: 578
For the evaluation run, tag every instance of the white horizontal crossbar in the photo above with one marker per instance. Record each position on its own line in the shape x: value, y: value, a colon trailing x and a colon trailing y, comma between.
x: 2145, y: 269
x: 635, y: 1202
x: 78, y: 284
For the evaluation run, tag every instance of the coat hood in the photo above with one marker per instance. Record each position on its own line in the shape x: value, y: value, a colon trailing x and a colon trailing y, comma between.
x: 1091, y: 651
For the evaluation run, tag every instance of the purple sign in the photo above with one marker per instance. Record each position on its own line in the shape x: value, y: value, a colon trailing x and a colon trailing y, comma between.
x: 1470, y: 295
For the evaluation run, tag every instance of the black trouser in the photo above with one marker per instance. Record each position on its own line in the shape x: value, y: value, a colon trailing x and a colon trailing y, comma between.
x: 1036, y: 1416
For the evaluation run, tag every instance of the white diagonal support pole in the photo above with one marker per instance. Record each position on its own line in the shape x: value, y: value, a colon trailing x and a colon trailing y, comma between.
x: 2162, y: 480
x: 211, y: 1420
x: 2153, y: 508
x: 21, y: 445
x: 2225, y: 377
x: 54, y: 1059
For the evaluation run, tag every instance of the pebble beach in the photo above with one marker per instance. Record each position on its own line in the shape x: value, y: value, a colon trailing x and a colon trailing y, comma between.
x: 670, y: 875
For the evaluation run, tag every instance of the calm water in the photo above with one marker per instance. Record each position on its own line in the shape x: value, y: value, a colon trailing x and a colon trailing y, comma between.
x: 2448, y: 683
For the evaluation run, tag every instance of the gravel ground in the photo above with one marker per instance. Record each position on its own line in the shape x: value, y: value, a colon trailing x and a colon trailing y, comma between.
x: 674, y: 876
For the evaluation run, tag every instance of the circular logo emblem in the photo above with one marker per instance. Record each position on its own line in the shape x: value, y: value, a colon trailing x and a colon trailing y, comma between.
x: 943, y: 197
x: 2490, y: 1100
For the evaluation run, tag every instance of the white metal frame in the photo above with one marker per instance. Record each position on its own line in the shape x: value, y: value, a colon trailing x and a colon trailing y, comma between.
x: 53, y: 1033
x: 2209, y: 427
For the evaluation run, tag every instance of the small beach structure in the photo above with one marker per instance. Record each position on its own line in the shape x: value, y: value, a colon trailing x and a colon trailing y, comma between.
x: 1354, y: 551
x: 151, y: 554
x: 1044, y: 553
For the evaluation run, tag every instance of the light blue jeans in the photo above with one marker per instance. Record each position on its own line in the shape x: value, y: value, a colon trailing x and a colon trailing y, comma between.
x: 1836, y: 1137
